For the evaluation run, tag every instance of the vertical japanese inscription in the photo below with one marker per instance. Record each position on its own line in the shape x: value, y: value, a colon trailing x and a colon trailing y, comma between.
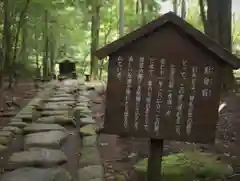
x: 159, y: 95
x: 149, y: 93
x: 138, y: 92
x: 128, y: 92
x: 207, y: 81
x: 171, y: 84
x: 194, y: 71
x: 181, y: 91
x: 119, y: 67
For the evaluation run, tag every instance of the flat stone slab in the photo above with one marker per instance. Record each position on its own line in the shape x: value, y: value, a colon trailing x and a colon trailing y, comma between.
x: 86, y: 121
x: 4, y: 140
x: 62, y: 120
x: 37, y: 174
x: 19, y: 124
x: 88, y: 130
x: 84, y: 111
x: 26, y: 117
x: 83, y: 99
x: 62, y: 102
x: 40, y: 157
x: 89, y: 141
x: 89, y: 156
x: 90, y: 172
x: 59, y: 99
x: 82, y: 104
x: 50, y: 139
x: 7, y: 134
x: 15, y: 119
x: 59, y: 94
x: 55, y: 106
x: 54, y: 112
x: 7, y: 114
x: 3, y: 148
x: 13, y: 129
x: 41, y: 127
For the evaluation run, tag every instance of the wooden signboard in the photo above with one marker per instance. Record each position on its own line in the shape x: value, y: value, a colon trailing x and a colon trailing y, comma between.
x: 164, y: 82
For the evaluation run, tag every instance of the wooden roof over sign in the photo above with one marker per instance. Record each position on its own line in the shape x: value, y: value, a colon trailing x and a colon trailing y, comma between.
x: 70, y: 59
x: 170, y: 17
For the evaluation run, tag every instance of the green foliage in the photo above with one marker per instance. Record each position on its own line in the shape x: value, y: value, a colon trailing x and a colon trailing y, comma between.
x: 190, y: 166
x: 69, y: 26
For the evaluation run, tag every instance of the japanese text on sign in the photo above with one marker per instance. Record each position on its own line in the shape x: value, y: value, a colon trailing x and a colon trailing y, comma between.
x: 128, y: 92
x: 138, y: 92
x: 181, y: 92
x: 170, y: 88
x: 149, y: 94
x: 119, y: 67
x: 207, y: 81
x: 191, y: 100
x: 159, y: 98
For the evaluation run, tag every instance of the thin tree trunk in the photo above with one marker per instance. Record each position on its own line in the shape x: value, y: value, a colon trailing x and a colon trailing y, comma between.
x: 52, y: 54
x: 19, y: 26
x: 45, y: 59
x: 121, y: 18
x: 7, y: 40
x: 6, y: 47
x: 95, y: 39
x: 143, y: 12
x: 203, y: 15
x: 175, y: 9
x: 183, y: 9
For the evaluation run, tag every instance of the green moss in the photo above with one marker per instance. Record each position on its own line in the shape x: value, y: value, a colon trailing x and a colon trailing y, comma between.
x: 189, y: 166
x: 88, y: 130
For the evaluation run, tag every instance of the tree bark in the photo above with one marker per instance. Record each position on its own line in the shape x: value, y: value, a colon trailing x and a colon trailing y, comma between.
x: 7, y: 47
x: 183, y: 9
x: 217, y: 25
x: 95, y: 26
x: 143, y: 12
x: 175, y: 9
x: 45, y: 59
x: 19, y: 26
x: 121, y: 18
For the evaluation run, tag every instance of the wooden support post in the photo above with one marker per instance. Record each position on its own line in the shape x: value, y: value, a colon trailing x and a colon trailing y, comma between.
x: 155, y: 160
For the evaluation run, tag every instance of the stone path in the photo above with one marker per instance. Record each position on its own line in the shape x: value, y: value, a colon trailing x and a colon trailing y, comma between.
x: 52, y: 138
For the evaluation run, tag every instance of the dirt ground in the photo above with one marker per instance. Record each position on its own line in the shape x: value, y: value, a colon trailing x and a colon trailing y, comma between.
x: 16, y: 98
x: 119, y: 154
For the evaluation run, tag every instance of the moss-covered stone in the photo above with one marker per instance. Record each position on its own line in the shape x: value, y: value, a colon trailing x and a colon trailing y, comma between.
x: 4, y: 140
x: 88, y: 130
x: 189, y: 166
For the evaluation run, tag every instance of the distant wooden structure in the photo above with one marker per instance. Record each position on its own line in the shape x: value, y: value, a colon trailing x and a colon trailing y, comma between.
x: 67, y: 67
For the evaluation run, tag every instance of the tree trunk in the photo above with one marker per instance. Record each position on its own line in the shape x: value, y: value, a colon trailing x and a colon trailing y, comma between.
x: 95, y: 39
x: 45, y: 59
x: 183, y: 9
x: 143, y: 12
x: 225, y: 38
x: 7, y: 41
x: 52, y: 54
x: 121, y: 18
x: 175, y: 8
x: 217, y: 25
x: 19, y: 26
x: 6, y: 46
